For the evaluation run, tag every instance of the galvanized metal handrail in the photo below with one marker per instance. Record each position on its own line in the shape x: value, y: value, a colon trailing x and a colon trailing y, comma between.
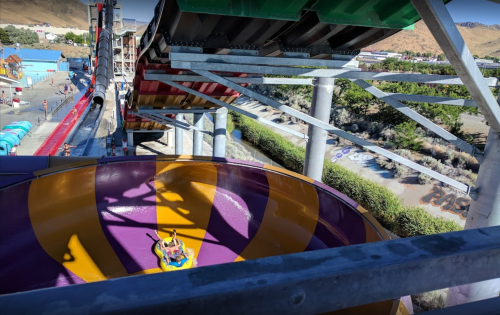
x: 303, y: 283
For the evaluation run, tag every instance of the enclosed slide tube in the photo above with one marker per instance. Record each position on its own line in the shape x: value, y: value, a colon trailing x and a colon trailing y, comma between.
x: 101, y: 73
x: 104, y: 68
x: 109, y: 28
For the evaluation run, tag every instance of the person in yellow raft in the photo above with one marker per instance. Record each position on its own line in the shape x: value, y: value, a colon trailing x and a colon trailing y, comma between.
x: 173, y: 251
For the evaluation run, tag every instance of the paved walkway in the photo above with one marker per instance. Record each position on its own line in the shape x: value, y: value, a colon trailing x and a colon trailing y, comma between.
x: 35, y: 112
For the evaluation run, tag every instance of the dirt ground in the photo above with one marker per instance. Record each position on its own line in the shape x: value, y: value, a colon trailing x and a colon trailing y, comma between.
x: 67, y: 50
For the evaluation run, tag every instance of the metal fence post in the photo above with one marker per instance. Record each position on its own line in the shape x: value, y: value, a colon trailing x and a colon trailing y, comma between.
x: 320, y: 108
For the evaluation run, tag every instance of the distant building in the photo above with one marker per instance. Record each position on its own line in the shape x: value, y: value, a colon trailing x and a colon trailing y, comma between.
x: 37, y: 63
x: 377, y: 55
x: 50, y: 36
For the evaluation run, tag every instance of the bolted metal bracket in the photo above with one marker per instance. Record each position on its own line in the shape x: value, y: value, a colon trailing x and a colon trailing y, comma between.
x: 473, y: 192
x: 290, y: 54
x: 243, y: 52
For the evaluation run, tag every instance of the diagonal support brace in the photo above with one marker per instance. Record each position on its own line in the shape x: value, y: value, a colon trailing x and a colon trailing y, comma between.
x: 331, y: 129
x: 444, y: 30
x: 236, y: 109
x: 390, y: 100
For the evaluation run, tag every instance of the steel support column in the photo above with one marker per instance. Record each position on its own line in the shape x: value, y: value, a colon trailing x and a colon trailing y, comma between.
x: 130, y: 138
x: 320, y: 109
x: 178, y: 135
x: 170, y: 139
x: 220, y: 123
x: 485, y: 207
x: 198, y: 136
x: 484, y: 211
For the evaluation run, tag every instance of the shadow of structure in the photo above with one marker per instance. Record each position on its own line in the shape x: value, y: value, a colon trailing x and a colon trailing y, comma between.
x: 95, y: 223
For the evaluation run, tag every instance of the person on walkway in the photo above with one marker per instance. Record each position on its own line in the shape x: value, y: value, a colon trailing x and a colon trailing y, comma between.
x: 66, y: 89
x: 60, y: 89
x: 45, y: 107
x: 66, y: 149
x: 52, y: 81
x: 4, y: 100
x: 71, y: 88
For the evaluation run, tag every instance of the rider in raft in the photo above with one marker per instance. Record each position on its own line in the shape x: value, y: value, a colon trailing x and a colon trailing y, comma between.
x: 172, y: 251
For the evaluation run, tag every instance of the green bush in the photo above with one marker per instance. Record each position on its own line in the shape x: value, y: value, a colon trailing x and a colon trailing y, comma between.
x: 380, y: 201
x: 406, y: 137
x: 230, y: 124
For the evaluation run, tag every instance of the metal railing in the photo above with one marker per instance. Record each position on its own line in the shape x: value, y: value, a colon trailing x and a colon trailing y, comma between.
x: 303, y: 283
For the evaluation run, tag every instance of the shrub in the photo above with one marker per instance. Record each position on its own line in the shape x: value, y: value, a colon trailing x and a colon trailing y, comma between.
x: 387, y: 133
x: 381, y: 202
x: 450, y: 155
x: 424, y: 179
x: 340, y: 116
x: 230, y: 124
x: 389, y: 145
x: 439, y: 150
x: 354, y: 127
x: 382, y: 161
x: 428, y: 161
x: 401, y: 171
x: 440, y: 168
x: 404, y: 153
x: 416, y: 221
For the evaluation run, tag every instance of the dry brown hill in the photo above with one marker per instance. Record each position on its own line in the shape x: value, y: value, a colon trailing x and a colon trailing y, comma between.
x: 481, y: 39
x: 60, y: 13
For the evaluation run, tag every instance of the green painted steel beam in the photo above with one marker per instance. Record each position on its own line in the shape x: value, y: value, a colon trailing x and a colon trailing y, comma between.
x: 394, y: 14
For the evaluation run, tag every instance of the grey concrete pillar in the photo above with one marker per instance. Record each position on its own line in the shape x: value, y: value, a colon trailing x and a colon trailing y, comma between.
x: 198, y: 135
x: 220, y: 124
x: 320, y: 109
x: 484, y: 211
x: 170, y: 139
x: 130, y: 139
x: 178, y: 136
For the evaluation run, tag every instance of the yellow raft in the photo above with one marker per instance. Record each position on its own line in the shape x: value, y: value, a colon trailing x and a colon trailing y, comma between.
x: 187, y: 263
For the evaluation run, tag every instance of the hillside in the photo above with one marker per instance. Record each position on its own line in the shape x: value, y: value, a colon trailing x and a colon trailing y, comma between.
x: 67, y: 13
x: 481, y: 39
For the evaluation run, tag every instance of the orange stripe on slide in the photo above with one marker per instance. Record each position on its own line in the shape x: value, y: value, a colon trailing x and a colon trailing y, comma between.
x: 184, y: 198
x: 373, y: 228
x: 289, y: 173
x: 288, y: 224
x: 67, y: 200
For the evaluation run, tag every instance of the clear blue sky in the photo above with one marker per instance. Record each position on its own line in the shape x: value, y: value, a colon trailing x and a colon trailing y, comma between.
x: 481, y: 11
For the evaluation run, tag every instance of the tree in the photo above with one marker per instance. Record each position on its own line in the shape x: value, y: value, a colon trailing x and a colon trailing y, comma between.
x: 406, y: 137
x: 70, y: 35
x: 419, y: 54
x: 358, y: 100
x: 78, y: 39
x: 4, y: 37
x: 475, y: 56
x: 22, y: 36
x: 441, y: 57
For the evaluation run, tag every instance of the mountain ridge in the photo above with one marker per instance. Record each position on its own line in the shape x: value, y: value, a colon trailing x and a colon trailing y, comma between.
x: 482, y: 40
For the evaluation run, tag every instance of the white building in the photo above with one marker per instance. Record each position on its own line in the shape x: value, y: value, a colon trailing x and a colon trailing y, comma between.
x: 378, y: 55
x: 50, y: 36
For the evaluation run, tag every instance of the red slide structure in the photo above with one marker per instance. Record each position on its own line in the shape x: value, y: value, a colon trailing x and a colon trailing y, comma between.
x: 54, y: 141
